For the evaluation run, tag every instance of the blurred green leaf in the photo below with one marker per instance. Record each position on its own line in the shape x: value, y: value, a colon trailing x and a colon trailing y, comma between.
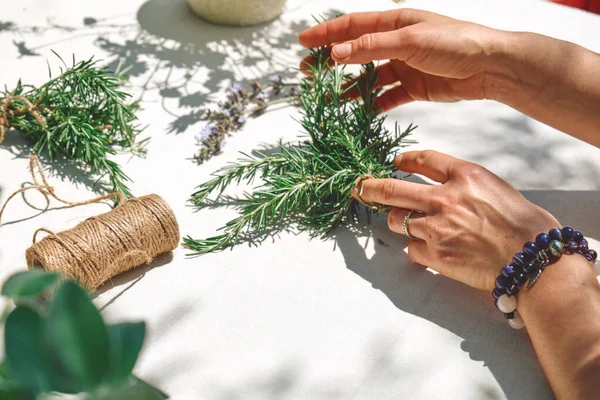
x: 29, y: 283
x: 4, y: 375
x: 10, y: 389
x: 126, y: 340
x: 12, y: 393
x: 77, y: 340
x: 24, y: 348
x: 134, y: 389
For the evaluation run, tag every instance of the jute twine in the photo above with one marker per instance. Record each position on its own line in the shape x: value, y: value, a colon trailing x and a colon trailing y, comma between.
x: 106, y: 245
x: 4, y: 113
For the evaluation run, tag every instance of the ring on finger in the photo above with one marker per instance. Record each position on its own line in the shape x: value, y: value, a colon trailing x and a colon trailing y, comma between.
x: 405, y: 230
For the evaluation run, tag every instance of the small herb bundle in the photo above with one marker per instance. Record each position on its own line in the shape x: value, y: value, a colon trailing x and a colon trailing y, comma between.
x: 308, y: 184
x: 81, y: 114
x: 242, y: 102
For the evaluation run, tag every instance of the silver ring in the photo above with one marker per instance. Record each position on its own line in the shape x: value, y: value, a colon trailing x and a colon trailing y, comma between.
x: 405, y: 225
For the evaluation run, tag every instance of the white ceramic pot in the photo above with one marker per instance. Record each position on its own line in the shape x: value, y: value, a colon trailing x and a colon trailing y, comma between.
x: 237, y: 12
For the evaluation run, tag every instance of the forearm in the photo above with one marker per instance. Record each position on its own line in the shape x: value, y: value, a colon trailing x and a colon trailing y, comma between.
x: 553, y: 81
x: 562, y: 315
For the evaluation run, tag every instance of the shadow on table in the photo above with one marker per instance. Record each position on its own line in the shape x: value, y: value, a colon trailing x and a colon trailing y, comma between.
x: 59, y: 167
x: 172, y: 52
x: 525, y: 152
x: 446, y: 303
x: 130, y: 278
x: 456, y: 307
x: 189, y: 60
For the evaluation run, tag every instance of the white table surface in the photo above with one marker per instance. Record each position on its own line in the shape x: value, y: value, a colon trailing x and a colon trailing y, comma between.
x: 344, y: 318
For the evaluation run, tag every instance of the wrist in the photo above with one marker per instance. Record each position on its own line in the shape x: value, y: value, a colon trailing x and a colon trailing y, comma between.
x: 561, y: 314
x: 527, y: 267
x: 507, y: 72
x: 550, y: 80
x: 563, y: 288
x: 524, y: 67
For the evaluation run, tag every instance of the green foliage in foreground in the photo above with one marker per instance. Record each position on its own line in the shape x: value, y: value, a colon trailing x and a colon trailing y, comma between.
x: 56, y: 342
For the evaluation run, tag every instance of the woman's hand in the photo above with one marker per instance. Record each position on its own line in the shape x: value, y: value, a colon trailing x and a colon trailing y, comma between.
x: 472, y: 224
x: 436, y: 58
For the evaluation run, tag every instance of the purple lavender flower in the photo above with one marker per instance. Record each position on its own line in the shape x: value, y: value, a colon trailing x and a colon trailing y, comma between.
x: 265, y: 94
x: 236, y: 88
x: 227, y: 110
x: 204, y: 134
x: 206, y: 131
x: 276, y: 79
x: 241, y: 120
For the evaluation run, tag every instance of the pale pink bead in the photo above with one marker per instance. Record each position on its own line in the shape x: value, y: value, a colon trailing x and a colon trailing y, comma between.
x: 507, y: 304
x: 516, y: 322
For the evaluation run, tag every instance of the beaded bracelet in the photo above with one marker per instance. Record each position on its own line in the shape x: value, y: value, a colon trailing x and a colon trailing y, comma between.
x: 527, y: 266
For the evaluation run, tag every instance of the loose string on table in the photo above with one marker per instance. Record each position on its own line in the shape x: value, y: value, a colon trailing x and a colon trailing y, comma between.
x: 42, y: 186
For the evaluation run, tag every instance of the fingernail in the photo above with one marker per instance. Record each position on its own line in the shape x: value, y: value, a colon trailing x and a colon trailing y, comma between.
x: 342, y: 50
x: 398, y: 160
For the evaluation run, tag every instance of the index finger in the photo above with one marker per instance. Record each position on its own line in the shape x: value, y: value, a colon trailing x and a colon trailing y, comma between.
x: 395, y: 193
x: 430, y: 163
x: 353, y: 26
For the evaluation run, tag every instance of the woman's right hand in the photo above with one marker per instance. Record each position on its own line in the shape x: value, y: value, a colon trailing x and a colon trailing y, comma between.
x: 437, y: 58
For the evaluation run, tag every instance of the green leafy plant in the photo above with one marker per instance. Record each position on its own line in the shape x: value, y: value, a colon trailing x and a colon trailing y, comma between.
x: 57, y: 342
x: 308, y: 184
x: 80, y: 114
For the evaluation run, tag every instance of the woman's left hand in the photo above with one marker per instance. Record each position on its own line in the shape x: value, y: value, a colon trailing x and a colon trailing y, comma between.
x: 470, y: 226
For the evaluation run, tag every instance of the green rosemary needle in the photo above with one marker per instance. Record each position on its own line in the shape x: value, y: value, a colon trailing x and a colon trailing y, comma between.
x: 308, y: 184
x: 80, y: 114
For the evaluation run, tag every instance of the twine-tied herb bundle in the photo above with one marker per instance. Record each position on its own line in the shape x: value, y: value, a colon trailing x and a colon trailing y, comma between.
x: 308, y: 184
x: 80, y: 114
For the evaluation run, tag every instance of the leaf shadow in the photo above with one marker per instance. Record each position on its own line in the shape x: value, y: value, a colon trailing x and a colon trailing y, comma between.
x: 173, y: 48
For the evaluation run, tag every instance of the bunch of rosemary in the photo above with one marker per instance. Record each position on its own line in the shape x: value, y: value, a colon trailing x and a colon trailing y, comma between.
x: 308, y: 184
x: 80, y: 114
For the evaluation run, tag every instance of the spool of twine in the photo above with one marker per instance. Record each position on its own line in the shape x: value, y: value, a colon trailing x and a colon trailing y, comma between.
x: 106, y: 245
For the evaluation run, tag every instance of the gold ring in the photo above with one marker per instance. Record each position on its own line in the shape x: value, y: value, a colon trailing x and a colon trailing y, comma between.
x: 405, y: 225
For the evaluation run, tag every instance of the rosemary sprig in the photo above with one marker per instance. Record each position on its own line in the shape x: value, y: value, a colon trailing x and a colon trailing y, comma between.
x: 80, y: 114
x: 308, y: 184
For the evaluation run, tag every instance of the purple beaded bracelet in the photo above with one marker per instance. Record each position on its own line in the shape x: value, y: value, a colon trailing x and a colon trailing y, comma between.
x: 526, y: 267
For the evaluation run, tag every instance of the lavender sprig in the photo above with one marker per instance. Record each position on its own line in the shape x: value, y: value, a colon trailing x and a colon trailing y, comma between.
x: 241, y: 103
